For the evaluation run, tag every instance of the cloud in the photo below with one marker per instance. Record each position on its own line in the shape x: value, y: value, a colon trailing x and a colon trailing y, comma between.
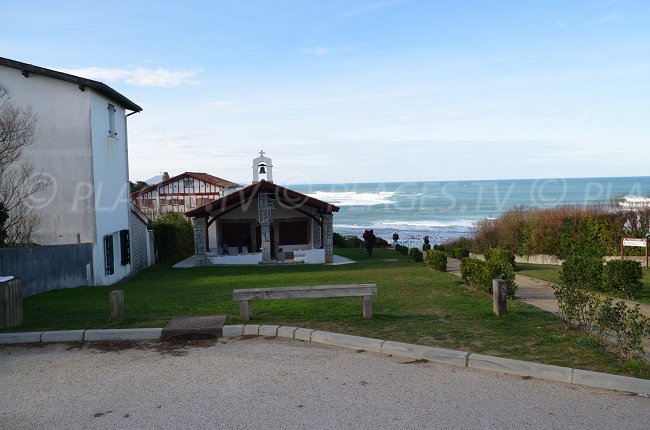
x: 139, y: 76
x: 220, y: 104
x: 318, y: 51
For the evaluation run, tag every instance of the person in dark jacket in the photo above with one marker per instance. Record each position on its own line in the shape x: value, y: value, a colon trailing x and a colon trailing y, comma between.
x: 370, y: 243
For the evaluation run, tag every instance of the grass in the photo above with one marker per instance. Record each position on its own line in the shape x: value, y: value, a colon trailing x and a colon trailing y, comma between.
x: 551, y: 273
x: 414, y: 305
x: 545, y: 272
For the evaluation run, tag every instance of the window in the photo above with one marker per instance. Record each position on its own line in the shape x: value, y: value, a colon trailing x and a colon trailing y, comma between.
x: 188, y: 184
x: 111, y: 121
x: 294, y: 233
x: 109, y: 258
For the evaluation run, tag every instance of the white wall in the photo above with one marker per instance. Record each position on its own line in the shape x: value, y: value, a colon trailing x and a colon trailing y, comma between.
x: 61, y: 150
x: 110, y: 178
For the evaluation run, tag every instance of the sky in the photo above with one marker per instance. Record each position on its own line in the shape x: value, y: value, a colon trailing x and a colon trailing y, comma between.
x: 361, y: 91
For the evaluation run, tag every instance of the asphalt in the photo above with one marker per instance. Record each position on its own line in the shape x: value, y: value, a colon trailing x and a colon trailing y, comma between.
x: 283, y: 384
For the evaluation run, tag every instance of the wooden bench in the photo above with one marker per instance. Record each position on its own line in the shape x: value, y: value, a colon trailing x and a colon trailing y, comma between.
x: 245, y: 296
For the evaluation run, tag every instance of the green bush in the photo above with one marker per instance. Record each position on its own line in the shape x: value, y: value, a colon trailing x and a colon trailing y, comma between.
x: 582, y: 272
x: 437, y: 260
x: 500, y: 266
x: 599, y: 316
x: 426, y: 247
x: 623, y: 277
x: 479, y: 274
x: 416, y: 255
x: 402, y: 249
x: 347, y: 241
x: 500, y: 254
x: 173, y: 237
x: 381, y: 243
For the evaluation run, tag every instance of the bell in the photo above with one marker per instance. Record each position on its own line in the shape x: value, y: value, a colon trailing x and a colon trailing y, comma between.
x: 262, y: 169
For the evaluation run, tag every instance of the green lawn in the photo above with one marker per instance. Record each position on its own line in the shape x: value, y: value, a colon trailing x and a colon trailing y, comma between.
x: 414, y: 305
x: 551, y: 273
x: 545, y: 272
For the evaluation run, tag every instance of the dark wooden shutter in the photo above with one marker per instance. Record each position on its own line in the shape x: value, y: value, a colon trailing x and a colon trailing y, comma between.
x: 125, y: 247
x: 109, y: 259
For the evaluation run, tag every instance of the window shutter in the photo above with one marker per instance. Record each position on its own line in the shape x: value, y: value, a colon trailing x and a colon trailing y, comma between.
x: 109, y: 263
x: 125, y: 247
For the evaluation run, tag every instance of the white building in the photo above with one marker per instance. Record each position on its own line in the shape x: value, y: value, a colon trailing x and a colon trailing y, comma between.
x: 80, y: 145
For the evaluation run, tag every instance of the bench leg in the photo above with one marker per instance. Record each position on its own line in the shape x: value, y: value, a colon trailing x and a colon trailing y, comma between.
x: 245, y: 310
x: 367, y: 307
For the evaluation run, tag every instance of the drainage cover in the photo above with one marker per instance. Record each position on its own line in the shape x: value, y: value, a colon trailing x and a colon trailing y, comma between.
x: 186, y: 328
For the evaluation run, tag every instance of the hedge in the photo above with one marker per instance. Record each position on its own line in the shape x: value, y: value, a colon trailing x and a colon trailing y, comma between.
x: 437, y: 260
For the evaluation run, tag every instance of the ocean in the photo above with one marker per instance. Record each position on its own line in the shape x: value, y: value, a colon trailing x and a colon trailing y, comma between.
x: 448, y: 210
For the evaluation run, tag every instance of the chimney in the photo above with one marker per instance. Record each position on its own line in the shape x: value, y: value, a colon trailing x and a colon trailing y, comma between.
x: 165, y: 176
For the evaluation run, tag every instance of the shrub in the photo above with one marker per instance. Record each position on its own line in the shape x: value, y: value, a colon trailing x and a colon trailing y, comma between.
x: 599, y: 316
x: 347, y: 241
x: 585, y: 273
x: 426, y: 247
x: 500, y: 266
x: 479, y: 274
x: 174, y: 237
x: 500, y: 254
x: 622, y: 276
x: 381, y: 243
x: 402, y: 249
x: 416, y: 255
x: 458, y: 248
x: 437, y: 260
x: 475, y: 272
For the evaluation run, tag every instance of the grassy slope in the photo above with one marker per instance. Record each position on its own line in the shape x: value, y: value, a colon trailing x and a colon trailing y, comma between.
x: 414, y: 305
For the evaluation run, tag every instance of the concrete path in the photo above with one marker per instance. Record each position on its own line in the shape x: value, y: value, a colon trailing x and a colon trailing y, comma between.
x: 281, y: 384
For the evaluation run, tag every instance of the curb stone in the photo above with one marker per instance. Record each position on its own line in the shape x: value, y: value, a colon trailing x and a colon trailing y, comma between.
x: 63, y: 336
x: 123, y: 334
x: 521, y: 368
x: 21, y: 337
x: 438, y: 355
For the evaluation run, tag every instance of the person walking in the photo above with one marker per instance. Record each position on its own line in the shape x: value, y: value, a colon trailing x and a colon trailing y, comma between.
x: 395, y: 238
x: 370, y: 243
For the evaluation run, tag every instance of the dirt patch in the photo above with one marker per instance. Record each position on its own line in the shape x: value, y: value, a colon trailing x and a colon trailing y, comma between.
x: 175, y: 348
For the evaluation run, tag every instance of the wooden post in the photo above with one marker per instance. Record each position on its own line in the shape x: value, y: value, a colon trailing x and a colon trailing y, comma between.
x: 367, y: 307
x: 11, y: 303
x: 245, y: 310
x: 117, y: 305
x: 499, y: 297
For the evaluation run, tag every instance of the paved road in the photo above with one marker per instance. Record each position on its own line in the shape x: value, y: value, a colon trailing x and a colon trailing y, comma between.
x: 281, y: 384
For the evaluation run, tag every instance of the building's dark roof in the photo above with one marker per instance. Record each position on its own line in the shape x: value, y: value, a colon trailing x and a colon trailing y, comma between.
x: 210, y: 179
x: 288, y: 197
x: 82, y: 82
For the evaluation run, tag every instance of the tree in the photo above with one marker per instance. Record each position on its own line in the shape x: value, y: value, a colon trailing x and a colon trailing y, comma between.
x: 137, y: 186
x: 18, y: 180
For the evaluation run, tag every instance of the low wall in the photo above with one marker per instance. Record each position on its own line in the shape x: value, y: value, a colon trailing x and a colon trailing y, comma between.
x: 553, y: 260
x: 45, y: 268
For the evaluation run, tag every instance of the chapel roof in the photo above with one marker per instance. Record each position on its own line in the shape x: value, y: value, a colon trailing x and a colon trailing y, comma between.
x: 288, y: 196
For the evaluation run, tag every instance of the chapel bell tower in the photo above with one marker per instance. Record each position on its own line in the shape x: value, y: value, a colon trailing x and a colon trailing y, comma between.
x: 262, y: 169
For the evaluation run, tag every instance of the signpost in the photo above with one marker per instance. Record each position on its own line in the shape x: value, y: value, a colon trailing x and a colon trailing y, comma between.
x: 630, y: 241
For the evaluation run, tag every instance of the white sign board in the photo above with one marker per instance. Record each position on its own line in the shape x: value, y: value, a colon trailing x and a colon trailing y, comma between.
x: 634, y: 242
